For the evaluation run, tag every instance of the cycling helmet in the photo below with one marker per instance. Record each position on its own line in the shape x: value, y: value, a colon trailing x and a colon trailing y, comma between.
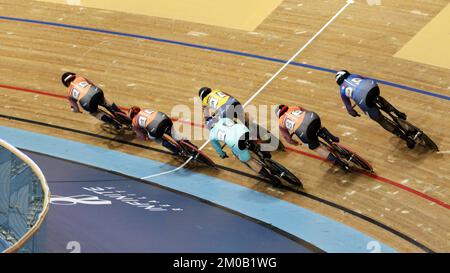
x: 280, y: 110
x: 67, y: 78
x: 133, y: 111
x: 341, y: 75
x: 203, y: 92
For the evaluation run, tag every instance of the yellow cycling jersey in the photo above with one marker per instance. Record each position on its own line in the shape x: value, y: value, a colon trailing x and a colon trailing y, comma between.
x: 215, y: 99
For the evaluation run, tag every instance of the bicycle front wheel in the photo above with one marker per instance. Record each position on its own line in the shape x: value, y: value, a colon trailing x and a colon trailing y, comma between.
x: 422, y: 136
x: 283, y: 173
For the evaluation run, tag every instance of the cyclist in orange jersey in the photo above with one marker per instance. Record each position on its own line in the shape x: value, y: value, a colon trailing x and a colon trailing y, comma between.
x: 152, y: 125
x: 306, y: 125
x: 90, y: 97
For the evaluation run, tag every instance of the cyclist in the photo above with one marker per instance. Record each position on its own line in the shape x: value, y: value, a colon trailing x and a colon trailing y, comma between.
x: 218, y: 103
x: 90, y: 97
x: 236, y: 137
x: 306, y: 125
x: 366, y: 93
x: 152, y: 125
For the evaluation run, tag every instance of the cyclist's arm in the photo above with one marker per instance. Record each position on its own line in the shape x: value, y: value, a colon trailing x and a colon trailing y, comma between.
x: 74, y: 105
x: 347, y: 102
x: 216, y: 144
x: 287, y: 136
x: 206, y: 112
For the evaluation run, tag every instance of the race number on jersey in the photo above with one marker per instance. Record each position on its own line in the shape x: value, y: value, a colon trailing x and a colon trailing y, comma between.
x: 297, y: 113
x: 213, y: 102
x: 75, y: 93
x: 221, y: 94
x: 356, y: 81
x: 349, y: 91
x: 142, y: 121
x: 228, y: 123
x: 83, y: 84
x: 289, y: 124
x: 221, y: 135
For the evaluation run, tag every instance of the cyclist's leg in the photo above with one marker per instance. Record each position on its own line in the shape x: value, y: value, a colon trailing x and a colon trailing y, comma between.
x: 385, y: 122
x: 158, y: 127
x: 252, y: 125
x: 389, y: 108
x: 90, y: 103
x: 325, y: 134
x: 323, y: 152
x: 100, y: 115
x: 102, y: 101
x: 309, y: 129
x: 244, y: 157
x: 260, y: 170
x: 170, y: 130
x: 169, y: 145
x: 253, y: 165
x: 391, y: 127
x: 237, y: 111
x: 166, y: 144
x: 312, y: 142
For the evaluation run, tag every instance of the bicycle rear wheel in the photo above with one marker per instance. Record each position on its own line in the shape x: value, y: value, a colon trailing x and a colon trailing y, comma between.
x: 283, y: 172
x: 197, y: 154
x: 354, y: 158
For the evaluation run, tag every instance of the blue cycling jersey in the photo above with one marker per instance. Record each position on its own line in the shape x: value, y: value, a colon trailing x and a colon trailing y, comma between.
x: 356, y: 87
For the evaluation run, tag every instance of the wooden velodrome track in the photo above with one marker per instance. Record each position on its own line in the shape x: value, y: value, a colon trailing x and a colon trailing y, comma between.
x: 409, y: 195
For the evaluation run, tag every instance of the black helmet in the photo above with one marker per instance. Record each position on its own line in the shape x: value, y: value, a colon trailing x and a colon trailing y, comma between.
x: 341, y: 75
x: 280, y: 110
x: 67, y: 78
x: 203, y: 92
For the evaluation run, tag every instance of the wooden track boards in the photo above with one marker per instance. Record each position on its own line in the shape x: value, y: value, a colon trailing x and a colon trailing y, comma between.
x: 134, y: 71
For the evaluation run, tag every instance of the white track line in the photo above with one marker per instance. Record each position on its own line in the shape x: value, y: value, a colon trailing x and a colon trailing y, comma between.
x: 349, y: 2
x: 171, y: 171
